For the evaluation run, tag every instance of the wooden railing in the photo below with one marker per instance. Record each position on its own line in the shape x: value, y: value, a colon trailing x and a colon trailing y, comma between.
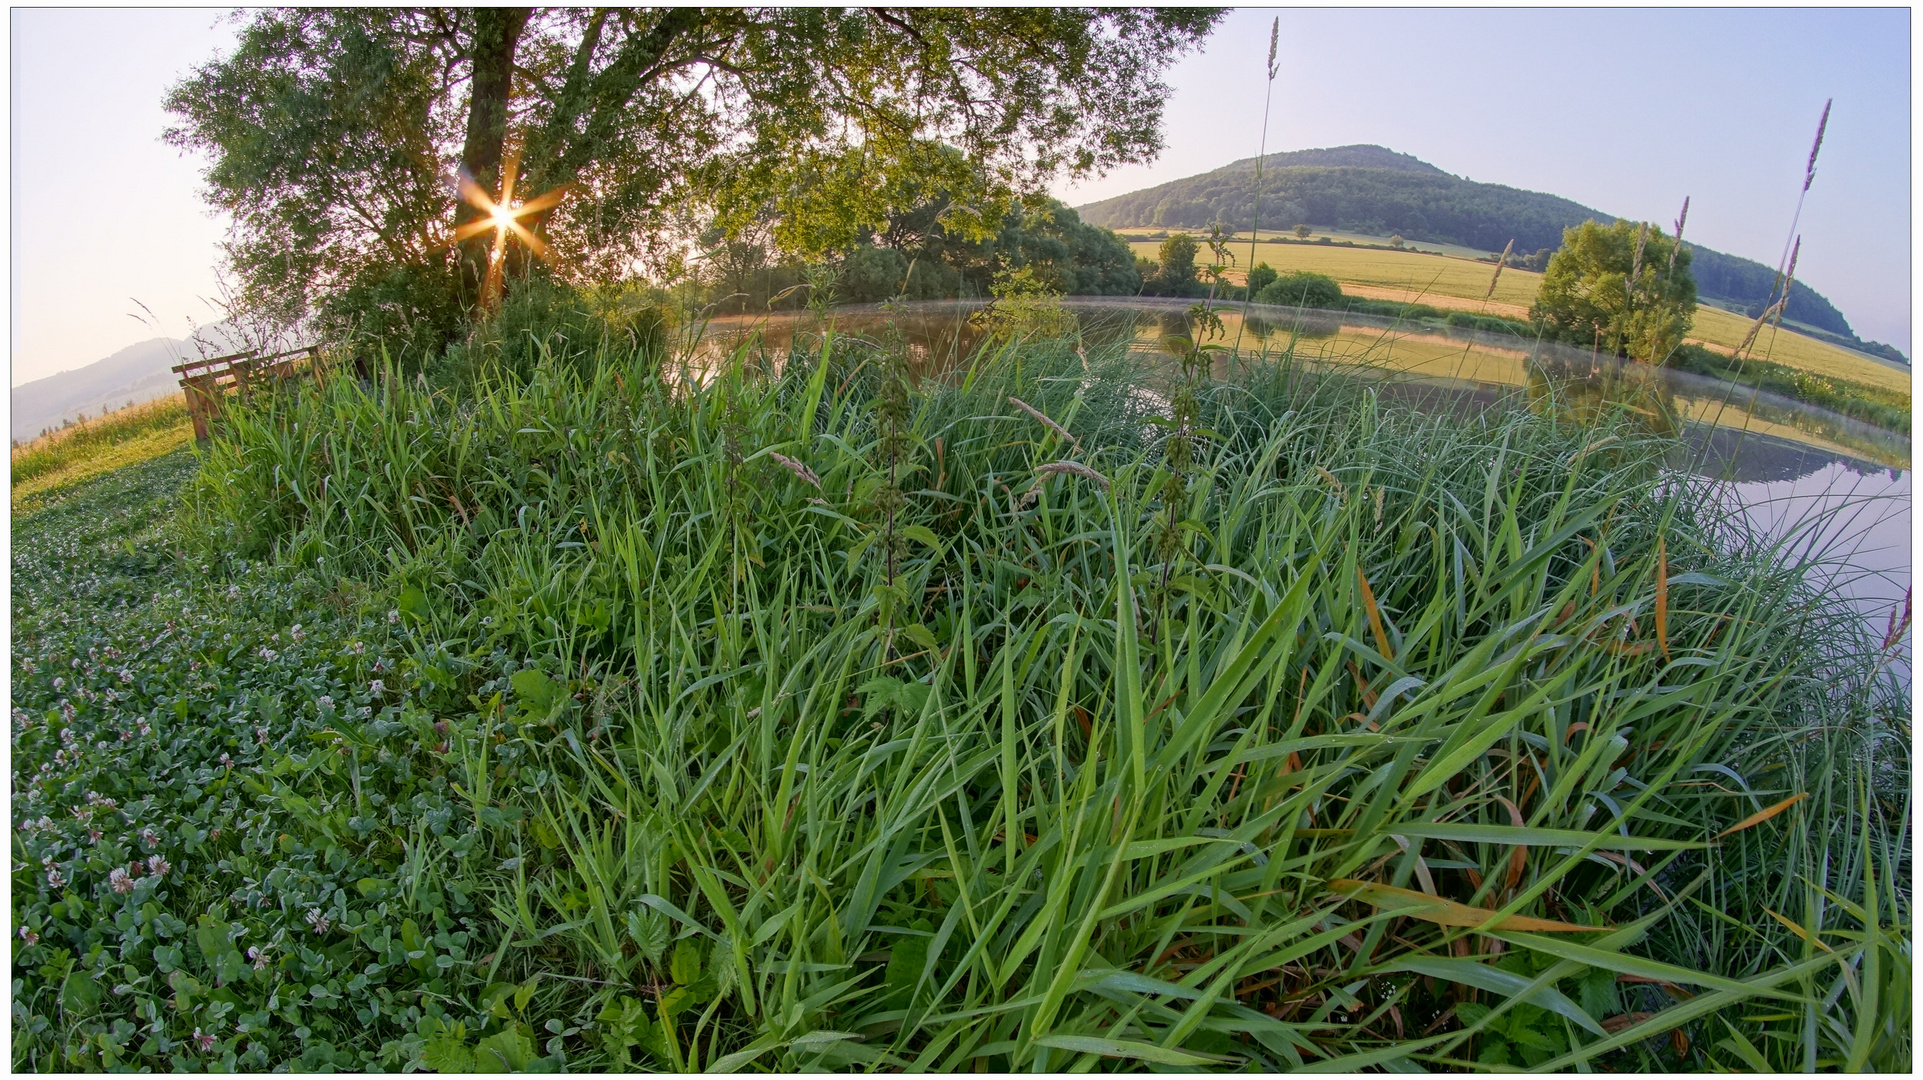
x: 206, y: 383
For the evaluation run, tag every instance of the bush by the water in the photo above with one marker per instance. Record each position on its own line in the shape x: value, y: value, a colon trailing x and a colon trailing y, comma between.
x: 1301, y: 288
x: 799, y: 716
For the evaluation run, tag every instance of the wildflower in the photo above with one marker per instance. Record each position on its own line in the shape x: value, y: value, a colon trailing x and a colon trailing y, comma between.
x: 325, y: 702
x: 317, y: 920
x: 233, y: 592
x: 206, y: 1041
x: 259, y: 956
x: 150, y: 838
x: 357, y: 648
x: 145, y: 730
x: 75, y: 664
x: 268, y: 654
x: 94, y: 835
x: 126, y: 676
x: 260, y: 735
x: 226, y: 762
x: 121, y: 881
x: 296, y: 633
x: 27, y: 935
x: 66, y: 736
x: 393, y: 617
x: 377, y: 688
x: 158, y: 866
x: 66, y: 711
x: 59, y: 683
x: 55, y: 879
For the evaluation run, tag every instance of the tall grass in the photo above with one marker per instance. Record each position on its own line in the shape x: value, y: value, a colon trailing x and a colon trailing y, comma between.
x: 1457, y: 742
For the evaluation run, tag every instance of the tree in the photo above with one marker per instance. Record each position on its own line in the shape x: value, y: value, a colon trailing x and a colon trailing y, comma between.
x: 1614, y: 288
x: 1259, y: 275
x: 1175, y: 273
x: 363, y: 152
x: 1395, y: 241
x: 1302, y: 232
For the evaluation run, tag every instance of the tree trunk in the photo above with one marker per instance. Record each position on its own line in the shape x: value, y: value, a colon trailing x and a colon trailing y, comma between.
x: 497, y: 31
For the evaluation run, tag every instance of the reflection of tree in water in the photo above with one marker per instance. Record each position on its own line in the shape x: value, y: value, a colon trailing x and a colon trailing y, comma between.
x: 1585, y: 390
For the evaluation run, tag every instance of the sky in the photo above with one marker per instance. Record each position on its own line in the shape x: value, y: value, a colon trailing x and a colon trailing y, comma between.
x: 1623, y: 110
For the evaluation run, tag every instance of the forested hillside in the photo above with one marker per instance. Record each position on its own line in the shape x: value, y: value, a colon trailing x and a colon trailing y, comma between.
x: 1372, y: 189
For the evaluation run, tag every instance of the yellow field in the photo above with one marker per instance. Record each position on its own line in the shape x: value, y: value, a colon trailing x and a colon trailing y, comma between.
x: 1455, y: 283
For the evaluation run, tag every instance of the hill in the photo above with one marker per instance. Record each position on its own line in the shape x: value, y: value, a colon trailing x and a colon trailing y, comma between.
x: 1371, y: 189
x: 138, y: 373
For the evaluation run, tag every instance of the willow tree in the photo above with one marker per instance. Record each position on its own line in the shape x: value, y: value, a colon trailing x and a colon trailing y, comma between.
x: 392, y: 165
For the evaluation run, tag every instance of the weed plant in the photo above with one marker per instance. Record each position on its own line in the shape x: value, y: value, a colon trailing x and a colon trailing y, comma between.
x: 1460, y: 743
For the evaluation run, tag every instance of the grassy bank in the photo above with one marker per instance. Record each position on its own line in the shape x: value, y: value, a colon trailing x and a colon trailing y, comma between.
x: 811, y: 718
x: 61, y: 459
x: 1458, y: 283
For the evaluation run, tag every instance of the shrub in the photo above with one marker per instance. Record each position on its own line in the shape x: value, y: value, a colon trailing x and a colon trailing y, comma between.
x: 1301, y: 288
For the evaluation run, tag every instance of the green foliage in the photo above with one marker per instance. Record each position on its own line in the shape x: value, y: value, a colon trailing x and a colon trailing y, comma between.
x: 1302, y: 288
x: 1615, y: 289
x: 332, y: 132
x: 646, y: 783
x: 1175, y: 273
x: 1259, y: 275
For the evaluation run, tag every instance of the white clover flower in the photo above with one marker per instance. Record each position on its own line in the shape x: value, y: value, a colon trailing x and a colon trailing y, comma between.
x: 357, y: 648
x: 268, y: 654
x: 206, y: 1041
x: 66, y: 710
x: 233, y: 592
x: 324, y: 702
x: 121, y: 881
x: 377, y: 687
x: 226, y: 762
x: 317, y: 920
x: 150, y: 838
x: 66, y: 736
x: 27, y: 935
x: 59, y: 683
x: 157, y: 866
x: 259, y: 956
x: 126, y: 676
x: 55, y: 879
x: 393, y: 616
x: 296, y: 633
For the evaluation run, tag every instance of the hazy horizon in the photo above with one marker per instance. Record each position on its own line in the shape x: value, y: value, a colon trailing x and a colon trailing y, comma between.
x: 103, y: 221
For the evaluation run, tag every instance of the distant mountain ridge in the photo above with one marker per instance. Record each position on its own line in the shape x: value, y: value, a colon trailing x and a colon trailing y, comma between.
x: 1372, y: 189
x: 138, y: 373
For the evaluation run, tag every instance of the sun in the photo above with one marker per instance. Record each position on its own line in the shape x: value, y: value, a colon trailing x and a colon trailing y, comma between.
x: 504, y: 218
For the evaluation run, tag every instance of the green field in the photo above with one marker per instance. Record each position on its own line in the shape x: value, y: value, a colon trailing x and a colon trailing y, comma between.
x: 1460, y: 283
